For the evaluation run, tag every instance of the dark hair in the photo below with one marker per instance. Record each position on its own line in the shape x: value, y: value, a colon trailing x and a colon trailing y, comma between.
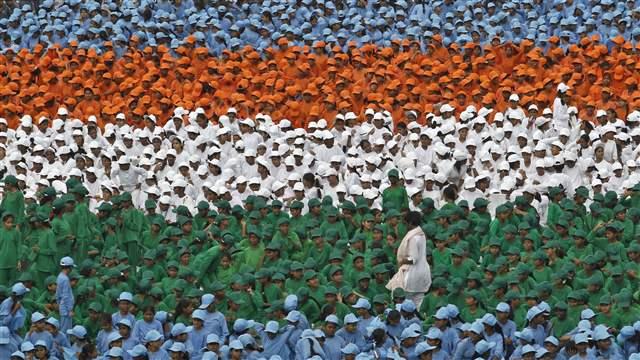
x: 309, y: 177
x: 413, y: 218
x: 87, y: 349
x: 180, y: 307
x: 106, y: 318
x: 150, y: 308
x: 394, y: 315
x: 450, y: 193
x: 327, y: 310
x: 379, y: 336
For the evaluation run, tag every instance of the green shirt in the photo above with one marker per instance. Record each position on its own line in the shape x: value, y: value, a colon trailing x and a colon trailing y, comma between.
x: 251, y: 255
x: 13, y: 202
x: 46, y: 254
x: 395, y: 197
x: 10, y: 248
x: 562, y: 327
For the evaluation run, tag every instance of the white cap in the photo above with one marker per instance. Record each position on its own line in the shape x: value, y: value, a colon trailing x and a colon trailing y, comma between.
x: 446, y: 108
x: 562, y: 87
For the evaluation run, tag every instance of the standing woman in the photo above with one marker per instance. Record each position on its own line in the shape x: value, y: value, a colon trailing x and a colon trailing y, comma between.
x: 414, y: 273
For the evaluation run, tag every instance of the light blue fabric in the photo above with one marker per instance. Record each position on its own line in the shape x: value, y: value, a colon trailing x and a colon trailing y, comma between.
x: 359, y: 21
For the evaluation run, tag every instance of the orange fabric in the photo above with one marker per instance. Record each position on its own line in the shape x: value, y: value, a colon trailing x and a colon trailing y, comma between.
x: 305, y: 84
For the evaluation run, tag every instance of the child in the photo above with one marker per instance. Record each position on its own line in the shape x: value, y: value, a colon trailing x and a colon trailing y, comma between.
x: 38, y: 332
x: 107, y: 328
x: 124, y: 309
x: 146, y: 324
x: 60, y: 341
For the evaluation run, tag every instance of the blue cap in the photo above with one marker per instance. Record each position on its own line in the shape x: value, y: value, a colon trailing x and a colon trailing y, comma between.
x: 350, y: 349
x: 138, y: 350
x: 350, y: 319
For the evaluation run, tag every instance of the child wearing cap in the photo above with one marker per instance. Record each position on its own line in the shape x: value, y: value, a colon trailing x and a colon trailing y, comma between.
x: 10, y: 245
x: 64, y: 294
x: 13, y: 199
x: 38, y: 331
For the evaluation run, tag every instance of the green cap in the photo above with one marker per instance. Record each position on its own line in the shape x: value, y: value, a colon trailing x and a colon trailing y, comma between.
x: 474, y: 275
x: 363, y: 276
x: 310, y: 274
x: 296, y: 266
x: 81, y: 190
x: 392, y: 213
x: 60, y: 203
x: 223, y: 204
x: 393, y: 173
x: 331, y: 212
x: 480, y: 202
x: 10, y: 179
x: 149, y: 204
x: 330, y: 290
x: 380, y: 269
x: 582, y: 191
x: 236, y: 298
x: 473, y: 294
x: 348, y: 205
x: 95, y: 306
x: 399, y: 293
x: 380, y: 299
x: 314, y: 202
x: 296, y: 205
x: 605, y: 300
x: 457, y: 251
x: 217, y: 286
x: 428, y: 203
x: 561, y: 305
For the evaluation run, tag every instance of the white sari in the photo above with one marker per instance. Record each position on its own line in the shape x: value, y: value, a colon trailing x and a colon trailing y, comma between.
x: 415, y: 278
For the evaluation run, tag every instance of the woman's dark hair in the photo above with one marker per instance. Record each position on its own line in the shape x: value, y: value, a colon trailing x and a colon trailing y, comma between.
x: 379, y: 336
x: 327, y: 310
x: 87, y: 349
x: 309, y: 178
x: 106, y: 318
x: 413, y: 219
x: 180, y: 307
x: 450, y: 193
x: 150, y: 308
x: 394, y: 315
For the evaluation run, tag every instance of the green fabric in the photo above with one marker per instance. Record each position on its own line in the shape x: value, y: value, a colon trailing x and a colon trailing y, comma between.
x: 10, y: 249
x: 13, y: 202
x: 395, y: 197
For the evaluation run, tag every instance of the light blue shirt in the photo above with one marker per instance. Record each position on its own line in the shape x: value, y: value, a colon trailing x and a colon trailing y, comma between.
x: 14, y: 322
x: 356, y: 338
x: 333, y: 346
x: 141, y: 328
x: 215, y: 323
x: 64, y: 295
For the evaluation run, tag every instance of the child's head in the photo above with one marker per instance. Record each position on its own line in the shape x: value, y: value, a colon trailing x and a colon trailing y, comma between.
x: 7, y: 221
x: 105, y: 322
x: 226, y: 260
x: 148, y: 313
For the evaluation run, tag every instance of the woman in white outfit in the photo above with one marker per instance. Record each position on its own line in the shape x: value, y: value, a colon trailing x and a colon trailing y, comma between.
x: 414, y: 273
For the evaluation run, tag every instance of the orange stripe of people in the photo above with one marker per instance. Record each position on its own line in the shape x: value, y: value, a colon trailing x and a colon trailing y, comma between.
x: 305, y: 84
